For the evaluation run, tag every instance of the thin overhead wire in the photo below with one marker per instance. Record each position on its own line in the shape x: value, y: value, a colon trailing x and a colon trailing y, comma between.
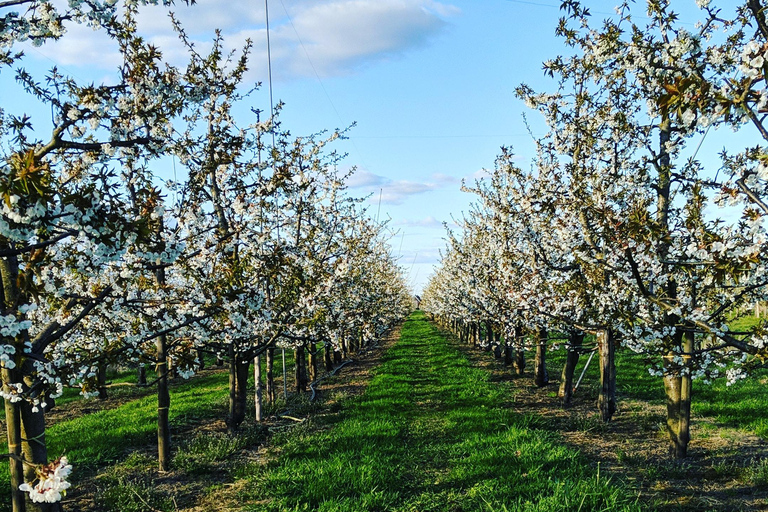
x: 322, y: 85
x: 269, y: 73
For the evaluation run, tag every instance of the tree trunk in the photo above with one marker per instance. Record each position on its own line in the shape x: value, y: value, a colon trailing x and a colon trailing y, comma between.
x: 101, y: 376
x: 606, y: 400
x: 300, y: 373
x: 257, y: 395
x: 243, y: 371
x: 540, y: 375
x: 328, y: 350
x: 678, y: 387
x: 163, y: 405
x: 13, y: 428
x: 566, y: 381
x: 201, y: 359
x: 489, y: 334
x: 232, y: 416
x: 519, y: 351
x: 508, y: 347
x: 271, y: 375
x: 33, y: 448
x: 344, y: 346
x: 141, y: 375
x: 312, y: 362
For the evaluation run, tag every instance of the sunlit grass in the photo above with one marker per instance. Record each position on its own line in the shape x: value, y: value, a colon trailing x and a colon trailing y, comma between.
x: 430, y: 433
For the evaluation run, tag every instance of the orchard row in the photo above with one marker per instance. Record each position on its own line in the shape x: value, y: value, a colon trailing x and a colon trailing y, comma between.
x: 619, y: 231
x: 254, y: 244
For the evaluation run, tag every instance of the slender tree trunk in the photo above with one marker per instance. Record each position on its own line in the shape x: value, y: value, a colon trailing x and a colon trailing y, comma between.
x: 300, y: 370
x: 686, y: 394
x: 519, y: 351
x: 243, y: 371
x: 257, y: 396
x: 606, y: 400
x: 201, y: 359
x: 678, y: 387
x: 312, y: 362
x: 163, y: 394
x: 141, y: 375
x: 566, y: 381
x: 489, y: 333
x: 328, y: 353
x: 271, y: 375
x: 13, y: 431
x: 102, y: 380
x: 344, y: 346
x: 540, y: 375
x: 163, y: 405
x: 337, y: 358
x: 232, y: 416
x: 33, y: 448
x: 508, y: 357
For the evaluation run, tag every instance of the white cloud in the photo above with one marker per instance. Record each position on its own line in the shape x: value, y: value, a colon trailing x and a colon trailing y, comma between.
x: 365, y: 179
x: 428, y: 222
x: 327, y: 37
x: 390, y: 191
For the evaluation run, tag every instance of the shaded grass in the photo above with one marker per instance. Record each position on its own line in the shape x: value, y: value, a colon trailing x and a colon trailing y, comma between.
x: 430, y: 433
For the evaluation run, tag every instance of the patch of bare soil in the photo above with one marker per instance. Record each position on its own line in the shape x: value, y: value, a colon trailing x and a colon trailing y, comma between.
x: 726, y: 469
x: 216, y: 488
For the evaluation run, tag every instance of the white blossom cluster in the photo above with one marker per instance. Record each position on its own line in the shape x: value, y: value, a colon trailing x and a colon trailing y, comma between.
x: 51, y: 483
x: 258, y: 246
x: 614, y: 227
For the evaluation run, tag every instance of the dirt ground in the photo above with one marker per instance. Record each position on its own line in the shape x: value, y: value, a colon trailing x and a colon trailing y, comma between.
x: 194, y: 493
x: 717, y: 475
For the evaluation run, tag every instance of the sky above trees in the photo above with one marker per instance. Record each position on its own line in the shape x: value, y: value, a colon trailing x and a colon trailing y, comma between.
x: 430, y: 85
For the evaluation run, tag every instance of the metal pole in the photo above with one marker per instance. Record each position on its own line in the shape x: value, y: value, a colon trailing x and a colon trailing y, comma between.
x: 584, y: 371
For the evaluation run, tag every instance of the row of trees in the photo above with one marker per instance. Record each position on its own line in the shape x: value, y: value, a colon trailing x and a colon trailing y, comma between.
x: 103, y: 262
x: 619, y: 230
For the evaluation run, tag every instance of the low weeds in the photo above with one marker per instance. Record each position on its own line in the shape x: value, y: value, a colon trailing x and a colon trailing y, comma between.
x: 206, y: 450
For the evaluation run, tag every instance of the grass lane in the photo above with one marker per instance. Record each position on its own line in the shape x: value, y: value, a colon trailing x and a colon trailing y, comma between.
x: 431, y: 433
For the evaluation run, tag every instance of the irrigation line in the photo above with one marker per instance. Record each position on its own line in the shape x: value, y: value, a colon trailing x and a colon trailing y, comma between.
x: 334, y: 372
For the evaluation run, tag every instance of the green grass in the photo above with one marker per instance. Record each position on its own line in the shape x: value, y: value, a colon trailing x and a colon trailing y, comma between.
x: 430, y: 433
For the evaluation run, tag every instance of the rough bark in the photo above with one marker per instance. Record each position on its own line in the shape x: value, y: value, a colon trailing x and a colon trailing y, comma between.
x: 13, y: 431
x: 300, y: 371
x: 328, y: 356
x: 243, y: 371
x: 606, y: 400
x: 571, y: 359
x: 33, y: 448
x: 678, y: 388
x: 102, y: 380
x: 519, y: 351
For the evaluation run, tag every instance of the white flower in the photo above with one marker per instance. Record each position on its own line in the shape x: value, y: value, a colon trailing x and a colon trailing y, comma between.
x: 51, y: 482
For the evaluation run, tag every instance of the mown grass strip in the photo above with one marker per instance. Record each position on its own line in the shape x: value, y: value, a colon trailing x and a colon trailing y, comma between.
x: 431, y: 433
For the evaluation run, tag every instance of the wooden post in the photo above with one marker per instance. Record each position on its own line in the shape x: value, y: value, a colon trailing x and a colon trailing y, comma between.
x: 257, y: 396
x: 606, y: 400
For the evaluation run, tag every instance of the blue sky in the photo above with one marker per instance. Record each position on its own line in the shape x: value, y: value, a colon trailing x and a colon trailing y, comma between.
x: 429, y: 83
